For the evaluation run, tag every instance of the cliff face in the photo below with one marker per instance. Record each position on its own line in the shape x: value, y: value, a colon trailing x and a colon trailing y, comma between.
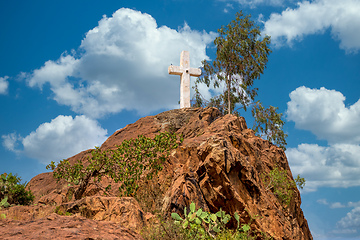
x: 220, y: 164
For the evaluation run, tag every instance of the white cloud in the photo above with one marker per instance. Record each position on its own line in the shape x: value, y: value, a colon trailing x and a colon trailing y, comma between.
x: 4, y: 84
x: 351, y: 221
x: 348, y: 224
x: 61, y: 138
x: 55, y: 73
x: 338, y: 204
x: 10, y: 141
x: 345, y: 231
x: 314, y: 18
x: 332, y: 166
x: 353, y: 204
x: 122, y: 65
x: 324, y: 113
x: 227, y: 7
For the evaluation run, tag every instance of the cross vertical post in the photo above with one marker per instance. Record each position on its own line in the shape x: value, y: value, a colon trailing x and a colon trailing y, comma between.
x: 185, y: 72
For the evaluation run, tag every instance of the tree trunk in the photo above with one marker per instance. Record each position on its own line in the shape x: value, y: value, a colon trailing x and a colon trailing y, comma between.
x: 80, y: 191
x: 228, y: 88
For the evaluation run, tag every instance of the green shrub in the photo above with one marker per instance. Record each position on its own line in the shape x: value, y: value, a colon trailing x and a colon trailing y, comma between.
x: 13, y: 192
x: 170, y: 230
x: 132, y: 161
x: 278, y: 182
x: 200, y: 224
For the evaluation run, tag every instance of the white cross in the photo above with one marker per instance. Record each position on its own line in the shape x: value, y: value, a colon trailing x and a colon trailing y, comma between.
x: 185, y: 71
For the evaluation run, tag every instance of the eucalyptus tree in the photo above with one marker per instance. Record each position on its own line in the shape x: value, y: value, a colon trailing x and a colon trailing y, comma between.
x: 241, y: 57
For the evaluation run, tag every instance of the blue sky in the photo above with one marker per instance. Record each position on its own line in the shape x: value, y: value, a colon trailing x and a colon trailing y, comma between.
x: 73, y: 72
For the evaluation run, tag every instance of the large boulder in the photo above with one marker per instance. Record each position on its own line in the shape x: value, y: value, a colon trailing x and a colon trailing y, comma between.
x: 219, y: 165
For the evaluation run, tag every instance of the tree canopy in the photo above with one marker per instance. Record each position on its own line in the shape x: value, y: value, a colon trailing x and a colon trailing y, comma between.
x: 241, y: 57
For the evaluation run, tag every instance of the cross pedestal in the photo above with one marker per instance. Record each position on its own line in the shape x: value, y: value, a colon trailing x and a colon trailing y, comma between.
x: 185, y: 71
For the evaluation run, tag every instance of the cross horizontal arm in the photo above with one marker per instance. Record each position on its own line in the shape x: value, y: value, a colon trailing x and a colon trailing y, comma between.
x: 195, y: 72
x: 175, y: 70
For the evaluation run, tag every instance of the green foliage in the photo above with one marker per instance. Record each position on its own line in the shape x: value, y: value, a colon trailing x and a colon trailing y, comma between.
x: 195, y: 225
x: 134, y: 160
x: 204, y: 225
x: 241, y: 58
x: 283, y: 187
x: 4, y: 203
x: 300, y: 182
x: 268, y: 124
x: 141, y: 155
x: 79, y: 174
x: 71, y: 173
x: 3, y: 216
x: 13, y: 192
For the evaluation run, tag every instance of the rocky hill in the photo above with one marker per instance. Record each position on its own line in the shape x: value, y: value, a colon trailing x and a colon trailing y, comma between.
x: 220, y: 164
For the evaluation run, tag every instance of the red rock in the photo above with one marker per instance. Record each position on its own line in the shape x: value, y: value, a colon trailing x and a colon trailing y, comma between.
x: 219, y: 165
x: 125, y: 211
x: 55, y: 226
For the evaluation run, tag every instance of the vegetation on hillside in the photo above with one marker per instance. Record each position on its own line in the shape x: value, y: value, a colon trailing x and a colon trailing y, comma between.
x: 133, y: 161
x: 199, y: 224
x: 283, y: 188
x: 137, y: 161
x: 241, y: 58
x: 13, y: 192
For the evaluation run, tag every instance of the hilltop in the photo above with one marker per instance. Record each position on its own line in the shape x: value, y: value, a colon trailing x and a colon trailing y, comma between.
x: 221, y: 164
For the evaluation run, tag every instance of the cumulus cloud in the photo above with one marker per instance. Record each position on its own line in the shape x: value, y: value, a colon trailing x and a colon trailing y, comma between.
x: 10, y: 141
x: 324, y: 113
x: 315, y: 17
x: 332, y: 166
x: 4, y: 84
x: 351, y: 221
x: 61, y: 138
x: 122, y: 64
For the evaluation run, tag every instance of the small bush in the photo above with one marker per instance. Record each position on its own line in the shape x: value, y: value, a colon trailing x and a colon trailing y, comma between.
x: 278, y: 182
x: 199, y: 224
x: 13, y: 192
